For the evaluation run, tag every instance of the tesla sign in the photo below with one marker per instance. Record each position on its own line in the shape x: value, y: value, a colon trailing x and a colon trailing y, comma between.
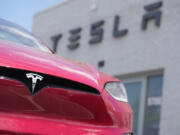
x: 152, y: 12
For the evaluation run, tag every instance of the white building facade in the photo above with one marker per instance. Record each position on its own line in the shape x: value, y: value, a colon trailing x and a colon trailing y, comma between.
x: 135, y: 40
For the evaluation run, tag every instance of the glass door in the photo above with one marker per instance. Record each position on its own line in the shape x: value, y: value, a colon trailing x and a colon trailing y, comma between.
x: 136, y: 95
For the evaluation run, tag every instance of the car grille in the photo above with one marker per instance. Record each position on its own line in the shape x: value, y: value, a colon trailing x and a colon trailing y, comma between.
x: 48, y: 81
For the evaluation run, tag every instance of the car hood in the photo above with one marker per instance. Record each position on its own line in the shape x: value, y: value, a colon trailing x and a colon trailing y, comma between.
x: 18, y: 56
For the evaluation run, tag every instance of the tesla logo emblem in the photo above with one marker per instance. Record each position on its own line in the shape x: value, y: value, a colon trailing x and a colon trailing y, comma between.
x: 35, y: 78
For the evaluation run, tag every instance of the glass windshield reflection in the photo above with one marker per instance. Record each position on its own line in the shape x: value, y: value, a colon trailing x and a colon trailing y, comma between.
x: 14, y: 33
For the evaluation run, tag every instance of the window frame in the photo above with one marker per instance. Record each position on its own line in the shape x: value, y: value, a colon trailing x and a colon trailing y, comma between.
x: 143, y: 78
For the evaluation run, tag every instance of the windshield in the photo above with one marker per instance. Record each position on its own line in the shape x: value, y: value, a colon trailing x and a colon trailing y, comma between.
x: 15, y: 33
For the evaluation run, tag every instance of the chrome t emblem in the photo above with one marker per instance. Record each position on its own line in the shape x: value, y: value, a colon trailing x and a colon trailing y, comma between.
x: 34, y: 78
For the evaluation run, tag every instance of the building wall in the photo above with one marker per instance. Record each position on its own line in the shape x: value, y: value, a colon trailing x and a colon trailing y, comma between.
x: 156, y: 48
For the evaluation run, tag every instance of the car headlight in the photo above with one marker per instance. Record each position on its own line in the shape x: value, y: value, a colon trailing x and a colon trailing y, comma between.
x: 117, y: 91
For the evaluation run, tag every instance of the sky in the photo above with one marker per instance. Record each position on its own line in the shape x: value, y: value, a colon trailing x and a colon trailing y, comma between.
x: 22, y: 11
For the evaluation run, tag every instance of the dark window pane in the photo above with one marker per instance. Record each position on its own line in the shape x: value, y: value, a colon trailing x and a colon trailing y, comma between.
x: 152, y: 120
x: 153, y: 105
x: 155, y: 86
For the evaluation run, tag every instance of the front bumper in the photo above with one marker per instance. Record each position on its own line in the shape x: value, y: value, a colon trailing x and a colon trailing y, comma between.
x: 15, y: 124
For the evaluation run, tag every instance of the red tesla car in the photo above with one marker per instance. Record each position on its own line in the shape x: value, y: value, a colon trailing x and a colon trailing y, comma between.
x: 45, y: 94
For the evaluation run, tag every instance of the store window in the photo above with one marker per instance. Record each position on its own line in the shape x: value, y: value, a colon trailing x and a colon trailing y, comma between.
x: 144, y: 95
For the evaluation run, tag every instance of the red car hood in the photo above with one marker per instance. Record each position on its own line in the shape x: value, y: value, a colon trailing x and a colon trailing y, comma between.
x: 17, y: 56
